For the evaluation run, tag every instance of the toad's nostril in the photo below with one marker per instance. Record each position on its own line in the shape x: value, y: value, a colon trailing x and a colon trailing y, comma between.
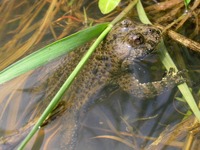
x: 154, y: 31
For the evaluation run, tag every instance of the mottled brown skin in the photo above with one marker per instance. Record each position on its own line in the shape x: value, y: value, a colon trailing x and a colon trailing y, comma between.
x: 109, y: 65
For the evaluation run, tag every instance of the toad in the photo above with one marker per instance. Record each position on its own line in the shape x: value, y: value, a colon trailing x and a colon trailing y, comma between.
x: 110, y: 64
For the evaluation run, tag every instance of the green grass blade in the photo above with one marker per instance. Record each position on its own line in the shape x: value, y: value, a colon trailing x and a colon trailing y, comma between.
x: 141, y: 13
x: 168, y: 63
x: 184, y: 89
x: 64, y: 87
x: 187, y: 2
x: 72, y: 76
x: 50, y: 52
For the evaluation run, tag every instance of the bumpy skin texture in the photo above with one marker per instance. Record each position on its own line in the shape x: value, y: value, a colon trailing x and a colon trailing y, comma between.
x: 109, y: 65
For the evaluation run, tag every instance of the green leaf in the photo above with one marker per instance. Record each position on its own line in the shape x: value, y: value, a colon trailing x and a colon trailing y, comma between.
x: 187, y: 2
x: 50, y: 52
x: 184, y: 89
x: 168, y: 63
x: 72, y: 76
x: 64, y: 87
x: 141, y: 13
x: 106, y: 6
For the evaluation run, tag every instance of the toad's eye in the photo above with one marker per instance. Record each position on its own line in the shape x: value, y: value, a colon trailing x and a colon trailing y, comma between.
x: 136, y: 39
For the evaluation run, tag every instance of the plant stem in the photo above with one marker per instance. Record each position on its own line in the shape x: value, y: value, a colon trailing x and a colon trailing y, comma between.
x: 72, y: 76
x: 124, y: 12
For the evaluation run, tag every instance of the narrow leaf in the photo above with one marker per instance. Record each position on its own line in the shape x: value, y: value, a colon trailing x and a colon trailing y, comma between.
x: 106, y: 6
x: 50, y: 52
x: 72, y: 76
x: 187, y: 2
x: 64, y: 87
x: 168, y: 63
x: 141, y: 13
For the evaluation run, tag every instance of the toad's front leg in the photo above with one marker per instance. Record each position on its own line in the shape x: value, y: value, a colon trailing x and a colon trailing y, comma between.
x: 131, y: 85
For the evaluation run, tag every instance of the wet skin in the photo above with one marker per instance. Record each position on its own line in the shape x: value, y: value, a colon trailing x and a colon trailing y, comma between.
x: 110, y: 65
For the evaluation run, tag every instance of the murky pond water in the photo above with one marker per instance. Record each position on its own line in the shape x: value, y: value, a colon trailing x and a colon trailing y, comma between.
x: 116, y: 120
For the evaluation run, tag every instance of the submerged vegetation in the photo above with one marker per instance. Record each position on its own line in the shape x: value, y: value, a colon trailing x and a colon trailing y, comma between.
x: 47, y: 21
